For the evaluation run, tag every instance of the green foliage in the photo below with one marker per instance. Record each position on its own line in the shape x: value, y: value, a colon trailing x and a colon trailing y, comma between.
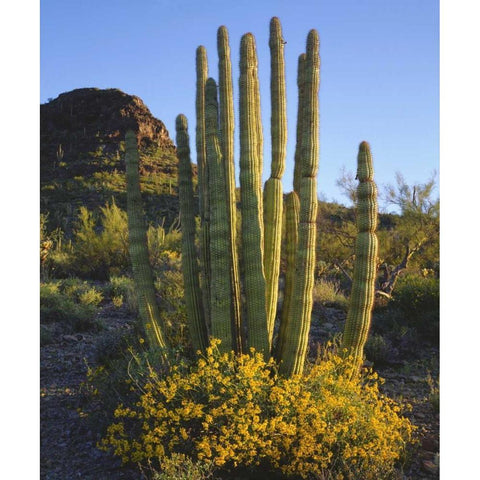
x: 164, y: 246
x: 123, y: 287
x: 378, y: 349
x: 72, y: 302
x: 418, y: 299
x: 181, y: 467
x: 328, y: 292
x: 100, y: 246
x: 234, y: 411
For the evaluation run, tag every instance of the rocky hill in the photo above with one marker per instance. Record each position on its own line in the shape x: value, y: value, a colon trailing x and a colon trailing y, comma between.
x: 82, y: 155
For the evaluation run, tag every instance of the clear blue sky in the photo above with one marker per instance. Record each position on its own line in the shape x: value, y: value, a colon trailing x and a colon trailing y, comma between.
x: 379, y: 68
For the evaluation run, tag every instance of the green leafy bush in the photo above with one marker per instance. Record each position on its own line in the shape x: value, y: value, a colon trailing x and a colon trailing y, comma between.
x: 235, y: 412
x: 123, y: 287
x: 181, y: 467
x: 100, y: 250
x: 378, y: 349
x: 417, y: 298
x: 71, y: 302
x: 327, y: 292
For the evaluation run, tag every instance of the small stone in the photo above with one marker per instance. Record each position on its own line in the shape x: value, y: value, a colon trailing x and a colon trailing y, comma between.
x: 429, y: 466
x: 70, y: 338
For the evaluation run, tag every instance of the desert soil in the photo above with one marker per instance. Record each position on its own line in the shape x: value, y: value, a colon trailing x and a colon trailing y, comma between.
x: 68, y: 440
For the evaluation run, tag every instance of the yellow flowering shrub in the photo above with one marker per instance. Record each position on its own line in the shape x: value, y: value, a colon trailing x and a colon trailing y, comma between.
x: 234, y: 411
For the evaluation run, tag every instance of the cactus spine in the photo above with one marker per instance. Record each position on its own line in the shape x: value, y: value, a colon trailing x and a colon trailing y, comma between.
x: 363, y: 287
x: 193, y: 295
x: 273, y: 187
x: 202, y: 74
x: 226, y: 144
x: 301, y: 303
x: 251, y: 197
x: 137, y: 235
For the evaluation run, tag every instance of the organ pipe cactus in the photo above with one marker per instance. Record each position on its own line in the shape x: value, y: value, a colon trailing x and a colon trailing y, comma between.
x: 137, y: 235
x: 261, y: 213
x: 292, y: 207
x: 364, y: 273
x: 220, y: 246
x: 251, y: 197
x: 298, y: 326
x: 193, y: 295
x: 204, y: 208
x: 273, y: 195
x: 226, y: 131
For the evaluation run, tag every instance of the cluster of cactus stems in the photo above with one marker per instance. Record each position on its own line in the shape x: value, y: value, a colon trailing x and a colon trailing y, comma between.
x: 241, y: 310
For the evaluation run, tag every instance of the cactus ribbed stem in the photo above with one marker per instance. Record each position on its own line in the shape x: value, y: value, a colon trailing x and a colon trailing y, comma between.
x: 251, y: 198
x: 202, y: 74
x: 220, y: 288
x: 292, y: 208
x: 298, y: 325
x: 273, y: 195
x: 278, y: 121
x: 298, y: 146
x: 364, y: 272
x: 137, y: 235
x: 193, y: 295
x: 227, y: 123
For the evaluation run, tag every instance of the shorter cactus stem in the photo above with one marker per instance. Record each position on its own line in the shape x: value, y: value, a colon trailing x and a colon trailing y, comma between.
x: 142, y: 271
x: 292, y: 208
x: 363, y: 287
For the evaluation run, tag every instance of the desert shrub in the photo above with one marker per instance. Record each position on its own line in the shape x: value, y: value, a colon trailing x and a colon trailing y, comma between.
x: 236, y: 412
x: 379, y: 349
x: 181, y: 467
x: 71, y: 302
x: 117, y: 301
x: 169, y: 286
x: 164, y: 246
x: 327, y: 292
x: 46, y: 336
x: 124, y: 287
x: 417, y: 298
x: 101, y: 247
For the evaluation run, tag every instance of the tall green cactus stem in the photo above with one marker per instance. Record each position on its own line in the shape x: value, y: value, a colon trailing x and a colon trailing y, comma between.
x: 193, y: 295
x: 364, y: 273
x: 278, y: 120
x: 298, y: 146
x: 273, y: 194
x: 292, y: 208
x: 227, y: 124
x: 220, y: 247
x: 298, y: 326
x: 137, y: 234
x: 202, y: 74
x: 251, y: 198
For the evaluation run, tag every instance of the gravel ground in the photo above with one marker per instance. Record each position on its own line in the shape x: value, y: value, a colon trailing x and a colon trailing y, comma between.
x: 68, y: 441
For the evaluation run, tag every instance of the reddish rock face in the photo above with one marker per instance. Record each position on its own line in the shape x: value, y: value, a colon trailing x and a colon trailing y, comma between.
x: 82, y: 155
x: 87, y: 119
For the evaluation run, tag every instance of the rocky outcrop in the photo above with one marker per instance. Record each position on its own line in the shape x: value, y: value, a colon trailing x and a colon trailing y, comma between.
x: 90, y: 119
x: 82, y: 146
